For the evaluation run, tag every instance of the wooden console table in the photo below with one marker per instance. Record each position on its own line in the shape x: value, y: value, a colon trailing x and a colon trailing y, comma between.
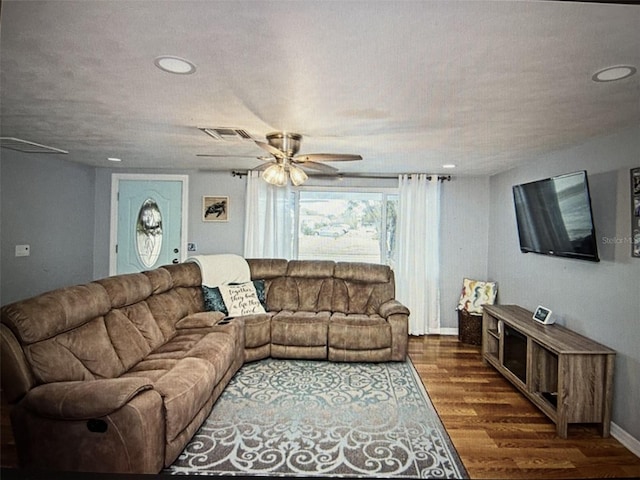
x: 567, y: 376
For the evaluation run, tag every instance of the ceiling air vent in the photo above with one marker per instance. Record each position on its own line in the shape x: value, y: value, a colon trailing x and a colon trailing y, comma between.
x: 25, y: 146
x: 222, y: 133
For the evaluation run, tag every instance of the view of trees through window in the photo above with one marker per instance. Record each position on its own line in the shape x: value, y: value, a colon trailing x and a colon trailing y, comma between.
x: 347, y: 226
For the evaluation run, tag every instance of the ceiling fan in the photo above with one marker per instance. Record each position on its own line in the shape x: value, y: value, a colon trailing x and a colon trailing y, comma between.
x: 284, y: 162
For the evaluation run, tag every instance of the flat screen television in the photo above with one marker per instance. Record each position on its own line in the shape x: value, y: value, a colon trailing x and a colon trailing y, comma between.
x: 554, y: 217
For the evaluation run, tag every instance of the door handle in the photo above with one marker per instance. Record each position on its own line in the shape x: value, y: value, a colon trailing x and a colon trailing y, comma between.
x: 175, y: 261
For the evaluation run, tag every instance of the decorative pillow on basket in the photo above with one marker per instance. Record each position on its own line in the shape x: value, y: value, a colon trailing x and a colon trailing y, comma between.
x: 475, y: 294
x: 236, y: 299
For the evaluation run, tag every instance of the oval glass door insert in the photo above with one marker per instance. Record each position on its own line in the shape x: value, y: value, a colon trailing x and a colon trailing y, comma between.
x: 149, y: 232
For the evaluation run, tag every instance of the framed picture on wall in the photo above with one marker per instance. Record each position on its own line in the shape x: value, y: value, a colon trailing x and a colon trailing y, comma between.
x: 215, y: 208
x: 635, y: 212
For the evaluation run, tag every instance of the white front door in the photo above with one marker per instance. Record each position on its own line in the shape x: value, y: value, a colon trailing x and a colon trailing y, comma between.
x: 148, y: 221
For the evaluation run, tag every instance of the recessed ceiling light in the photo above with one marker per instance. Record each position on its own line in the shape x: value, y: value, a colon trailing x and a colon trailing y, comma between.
x: 114, y: 159
x: 448, y: 165
x: 173, y: 64
x: 611, y: 74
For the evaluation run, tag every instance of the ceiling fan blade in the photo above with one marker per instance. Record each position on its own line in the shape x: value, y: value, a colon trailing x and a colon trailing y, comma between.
x: 272, y: 150
x: 327, y: 157
x: 315, y: 166
x: 222, y: 156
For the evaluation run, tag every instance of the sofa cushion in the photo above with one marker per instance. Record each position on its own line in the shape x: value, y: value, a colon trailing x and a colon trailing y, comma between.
x: 200, y: 320
x: 185, y: 274
x: 310, y: 269
x: 51, y: 313
x: 129, y: 343
x: 300, y: 328
x: 258, y: 329
x: 191, y: 297
x: 177, y: 346
x: 358, y: 297
x: 185, y: 389
x: 267, y: 268
x: 300, y: 294
x: 126, y: 289
x: 152, y: 368
x: 167, y: 309
x: 84, y: 353
x: 186, y: 281
x: 160, y: 280
x: 359, y: 332
x: 363, y: 272
x: 362, y: 287
x: 133, y: 332
x: 217, y: 348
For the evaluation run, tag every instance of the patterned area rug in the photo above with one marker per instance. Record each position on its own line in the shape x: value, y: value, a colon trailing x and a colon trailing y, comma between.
x: 313, y: 418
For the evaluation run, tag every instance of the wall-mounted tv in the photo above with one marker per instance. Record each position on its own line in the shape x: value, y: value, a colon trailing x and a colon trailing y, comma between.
x: 554, y: 217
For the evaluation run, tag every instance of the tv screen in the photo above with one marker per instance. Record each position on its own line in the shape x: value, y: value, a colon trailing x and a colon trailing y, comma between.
x: 554, y: 217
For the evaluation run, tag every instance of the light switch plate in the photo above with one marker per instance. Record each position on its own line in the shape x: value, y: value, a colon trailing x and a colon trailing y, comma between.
x: 22, y: 250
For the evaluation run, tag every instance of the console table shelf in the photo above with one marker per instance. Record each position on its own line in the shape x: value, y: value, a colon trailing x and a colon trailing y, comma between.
x: 566, y: 375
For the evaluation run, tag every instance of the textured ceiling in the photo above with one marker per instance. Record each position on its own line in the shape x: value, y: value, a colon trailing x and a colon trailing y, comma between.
x: 409, y: 85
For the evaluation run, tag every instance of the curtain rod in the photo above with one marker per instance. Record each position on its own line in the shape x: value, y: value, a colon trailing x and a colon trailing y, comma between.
x: 442, y: 178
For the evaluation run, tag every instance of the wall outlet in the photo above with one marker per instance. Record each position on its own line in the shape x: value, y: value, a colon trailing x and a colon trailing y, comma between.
x: 22, y: 250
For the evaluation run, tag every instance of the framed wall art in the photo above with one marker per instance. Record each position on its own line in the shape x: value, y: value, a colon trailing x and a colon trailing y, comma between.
x: 635, y: 212
x: 215, y: 208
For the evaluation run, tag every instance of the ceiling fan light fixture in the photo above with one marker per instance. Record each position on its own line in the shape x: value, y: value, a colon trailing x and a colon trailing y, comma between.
x: 298, y: 176
x: 287, y: 142
x: 275, y: 175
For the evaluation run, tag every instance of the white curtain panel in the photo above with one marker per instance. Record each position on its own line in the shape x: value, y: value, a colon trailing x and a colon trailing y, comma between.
x: 418, y: 243
x: 268, y: 219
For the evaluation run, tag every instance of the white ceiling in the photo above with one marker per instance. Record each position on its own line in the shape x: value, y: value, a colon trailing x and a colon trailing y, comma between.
x: 409, y: 85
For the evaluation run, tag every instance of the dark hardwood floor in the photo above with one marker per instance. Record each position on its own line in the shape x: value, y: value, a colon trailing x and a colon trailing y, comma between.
x: 497, y: 432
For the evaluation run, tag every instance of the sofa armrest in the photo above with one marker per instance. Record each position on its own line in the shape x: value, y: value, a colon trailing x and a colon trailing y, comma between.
x: 81, y: 400
x: 398, y: 317
x: 392, y: 307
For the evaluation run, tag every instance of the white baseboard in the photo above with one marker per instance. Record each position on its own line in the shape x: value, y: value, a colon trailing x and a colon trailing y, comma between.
x: 632, y: 443
x: 448, y: 331
x: 442, y: 331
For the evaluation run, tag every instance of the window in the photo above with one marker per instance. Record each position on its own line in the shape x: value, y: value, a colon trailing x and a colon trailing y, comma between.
x: 354, y: 226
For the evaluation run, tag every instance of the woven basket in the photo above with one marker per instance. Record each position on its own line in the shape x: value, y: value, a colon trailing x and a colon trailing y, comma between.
x: 469, y: 328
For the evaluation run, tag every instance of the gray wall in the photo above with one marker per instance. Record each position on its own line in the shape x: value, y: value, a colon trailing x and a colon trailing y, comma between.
x: 209, y: 237
x: 599, y: 300
x: 464, y: 245
x: 47, y: 203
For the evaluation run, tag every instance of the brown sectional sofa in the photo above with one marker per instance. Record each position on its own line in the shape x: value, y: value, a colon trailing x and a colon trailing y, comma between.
x: 117, y: 375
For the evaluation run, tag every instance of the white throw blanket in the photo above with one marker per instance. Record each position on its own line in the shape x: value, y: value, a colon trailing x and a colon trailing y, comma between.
x: 222, y: 269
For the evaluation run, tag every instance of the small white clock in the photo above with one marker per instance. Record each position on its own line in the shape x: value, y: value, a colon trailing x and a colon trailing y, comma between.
x: 543, y: 315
